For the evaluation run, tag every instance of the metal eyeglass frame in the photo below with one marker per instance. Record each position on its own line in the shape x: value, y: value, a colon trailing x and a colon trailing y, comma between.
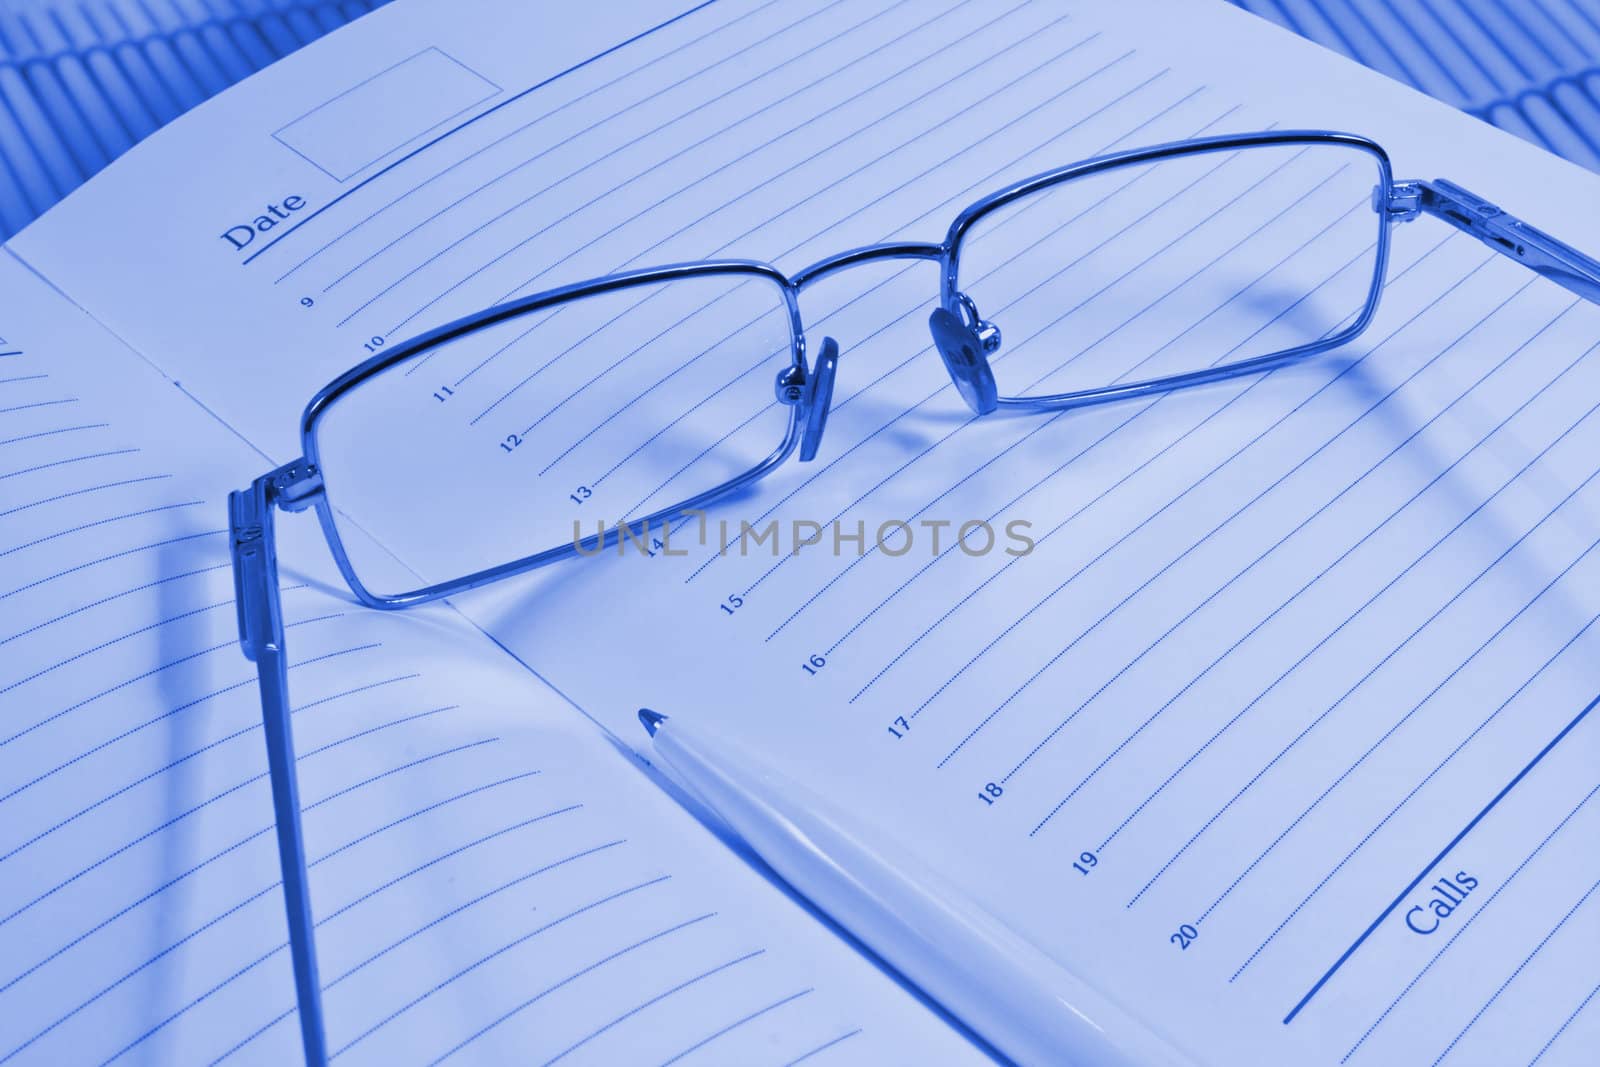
x: 963, y: 339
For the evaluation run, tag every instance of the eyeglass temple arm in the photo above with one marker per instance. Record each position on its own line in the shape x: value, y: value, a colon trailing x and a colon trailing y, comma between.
x: 255, y: 585
x: 1501, y: 231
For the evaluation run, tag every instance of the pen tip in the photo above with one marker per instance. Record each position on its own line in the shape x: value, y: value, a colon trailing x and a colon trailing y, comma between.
x: 652, y: 720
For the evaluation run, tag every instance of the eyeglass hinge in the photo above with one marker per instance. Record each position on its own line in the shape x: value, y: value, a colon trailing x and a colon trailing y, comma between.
x: 1403, y: 203
x: 296, y: 484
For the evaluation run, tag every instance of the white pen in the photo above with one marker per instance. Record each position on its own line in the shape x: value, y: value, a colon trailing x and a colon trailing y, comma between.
x: 999, y: 984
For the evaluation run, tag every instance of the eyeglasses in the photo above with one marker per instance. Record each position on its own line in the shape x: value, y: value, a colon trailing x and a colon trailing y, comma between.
x: 652, y: 393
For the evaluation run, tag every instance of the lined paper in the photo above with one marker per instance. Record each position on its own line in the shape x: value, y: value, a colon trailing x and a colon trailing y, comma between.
x: 1291, y: 660
x: 489, y: 878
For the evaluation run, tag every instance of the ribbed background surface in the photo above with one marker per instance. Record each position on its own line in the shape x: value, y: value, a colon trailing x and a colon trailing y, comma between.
x: 1529, y: 66
x: 83, y: 80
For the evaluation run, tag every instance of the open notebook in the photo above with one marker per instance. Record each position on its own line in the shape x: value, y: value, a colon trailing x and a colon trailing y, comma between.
x: 1292, y: 660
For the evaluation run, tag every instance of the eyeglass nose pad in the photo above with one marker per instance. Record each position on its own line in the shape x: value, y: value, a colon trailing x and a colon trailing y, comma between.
x: 964, y: 358
x: 818, y: 398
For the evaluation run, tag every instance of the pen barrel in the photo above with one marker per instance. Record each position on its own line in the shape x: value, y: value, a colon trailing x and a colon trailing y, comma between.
x: 1025, y: 1004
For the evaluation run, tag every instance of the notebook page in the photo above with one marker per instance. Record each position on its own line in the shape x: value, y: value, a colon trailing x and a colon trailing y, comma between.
x: 1290, y: 658
x: 491, y: 880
